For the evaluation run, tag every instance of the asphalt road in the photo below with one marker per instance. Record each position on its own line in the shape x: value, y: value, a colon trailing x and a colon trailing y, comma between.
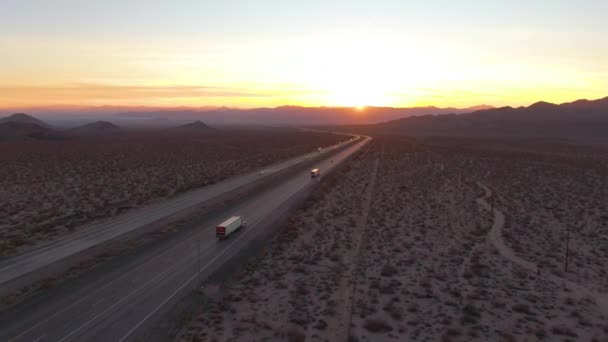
x: 127, y: 301
x: 99, y: 232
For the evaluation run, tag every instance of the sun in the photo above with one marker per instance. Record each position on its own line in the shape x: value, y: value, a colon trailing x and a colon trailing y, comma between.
x: 356, y: 96
x: 357, y: 92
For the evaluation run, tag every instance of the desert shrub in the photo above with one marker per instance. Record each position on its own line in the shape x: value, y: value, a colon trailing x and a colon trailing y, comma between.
x: 563, y: 331
x: 394, y: 311
x: 388, y: 270
x: 377, y: 326
x: 299, y: 269
x: 470, y: 314
x: 451, y: 335
x: 522, y: 308
x: 540, y: 333
x: 321, y: 325
x: 295, y: 336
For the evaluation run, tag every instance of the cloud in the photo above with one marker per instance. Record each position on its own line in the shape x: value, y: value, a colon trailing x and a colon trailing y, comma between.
x: 101, y: 91
x: 103, y: 94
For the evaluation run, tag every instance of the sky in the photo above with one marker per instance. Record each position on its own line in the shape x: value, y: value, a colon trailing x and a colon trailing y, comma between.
x: 312, y: 53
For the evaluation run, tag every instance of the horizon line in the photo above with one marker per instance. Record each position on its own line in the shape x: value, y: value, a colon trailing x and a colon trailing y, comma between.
x: 16, y: 109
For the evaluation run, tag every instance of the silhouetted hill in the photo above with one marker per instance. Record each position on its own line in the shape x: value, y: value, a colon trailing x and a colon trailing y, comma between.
x: 193, y: 127
x: 23, y: 118
x: 480, y: 107
x: 15, y: 131
x: 97, y: 128
x: 579, y: 119
x: 581, y: 109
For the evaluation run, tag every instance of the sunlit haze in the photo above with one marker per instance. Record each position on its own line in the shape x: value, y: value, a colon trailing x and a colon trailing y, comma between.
x: 312, y: 53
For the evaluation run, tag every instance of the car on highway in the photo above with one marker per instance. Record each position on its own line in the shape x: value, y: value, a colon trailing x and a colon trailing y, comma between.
x: 315, y: 173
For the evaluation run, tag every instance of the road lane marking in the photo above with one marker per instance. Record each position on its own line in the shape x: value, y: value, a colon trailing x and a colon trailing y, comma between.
x: 102, y: 226
x: 191, y: 278
x: 99, y: 301
x: 39, y: 338
x: 179, y: 289
x: 127, y: 297
x: 145, y: 285
x: 173, y: 206
x: 96, y: 291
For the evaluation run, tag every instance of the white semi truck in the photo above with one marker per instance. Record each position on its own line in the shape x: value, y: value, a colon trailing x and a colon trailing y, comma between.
x: 224, y: 229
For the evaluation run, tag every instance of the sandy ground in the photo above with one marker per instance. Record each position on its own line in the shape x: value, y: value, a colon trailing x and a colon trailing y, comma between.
x: 49, y: 189
x: 428, y: 241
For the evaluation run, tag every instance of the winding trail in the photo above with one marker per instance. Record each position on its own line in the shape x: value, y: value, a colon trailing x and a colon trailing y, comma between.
x: 495, y: 237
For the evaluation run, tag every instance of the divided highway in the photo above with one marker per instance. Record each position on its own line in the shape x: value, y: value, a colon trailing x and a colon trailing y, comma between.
x: 100, y: 232
x: 130, y: 299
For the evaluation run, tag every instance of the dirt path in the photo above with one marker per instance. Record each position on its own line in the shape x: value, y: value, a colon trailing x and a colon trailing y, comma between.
x: 495, y: 237
x: 348, y: 284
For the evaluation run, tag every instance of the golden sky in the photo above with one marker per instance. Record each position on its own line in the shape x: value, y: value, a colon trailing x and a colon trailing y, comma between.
x: 189, y: 53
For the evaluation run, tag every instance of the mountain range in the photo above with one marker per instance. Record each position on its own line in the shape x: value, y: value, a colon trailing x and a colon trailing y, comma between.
x: 291, y: 115
x: 23, y: 119
x: 279, y: 116
x: 23, y: 127
x: 579, y: 119
x: 193, y: 127
x: 97, y: 127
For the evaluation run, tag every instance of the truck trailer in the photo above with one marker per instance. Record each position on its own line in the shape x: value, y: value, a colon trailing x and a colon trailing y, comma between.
x: 224, y: 229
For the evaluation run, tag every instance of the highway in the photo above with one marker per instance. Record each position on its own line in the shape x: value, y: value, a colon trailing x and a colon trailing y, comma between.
x: 99, y: 232
x: 126, y: 302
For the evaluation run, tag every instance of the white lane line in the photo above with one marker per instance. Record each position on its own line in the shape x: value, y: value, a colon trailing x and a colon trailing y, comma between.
x: 127, y: 296
x: 188, y: 281
x: 173, y: 206
x: 39, y: 338
x: 80, y: 300
x: 99, y: 301
x: 185, y: 199
x: 92, y: 293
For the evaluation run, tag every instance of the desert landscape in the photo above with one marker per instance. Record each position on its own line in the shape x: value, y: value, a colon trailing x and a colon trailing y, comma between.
x: 353, y: 171
x: 50, y: 188
x: 432, y: 239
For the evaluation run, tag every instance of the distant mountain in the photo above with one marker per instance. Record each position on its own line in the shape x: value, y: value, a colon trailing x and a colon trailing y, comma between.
x: 577, y: 110
x: 480, y: 107
x: 193, y: 127
x: 579, y: 119
x: 96, y: 128
x: 279, y: 116
x: 23, y: 118
x: 290, y: 115
x: 18, y: 131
